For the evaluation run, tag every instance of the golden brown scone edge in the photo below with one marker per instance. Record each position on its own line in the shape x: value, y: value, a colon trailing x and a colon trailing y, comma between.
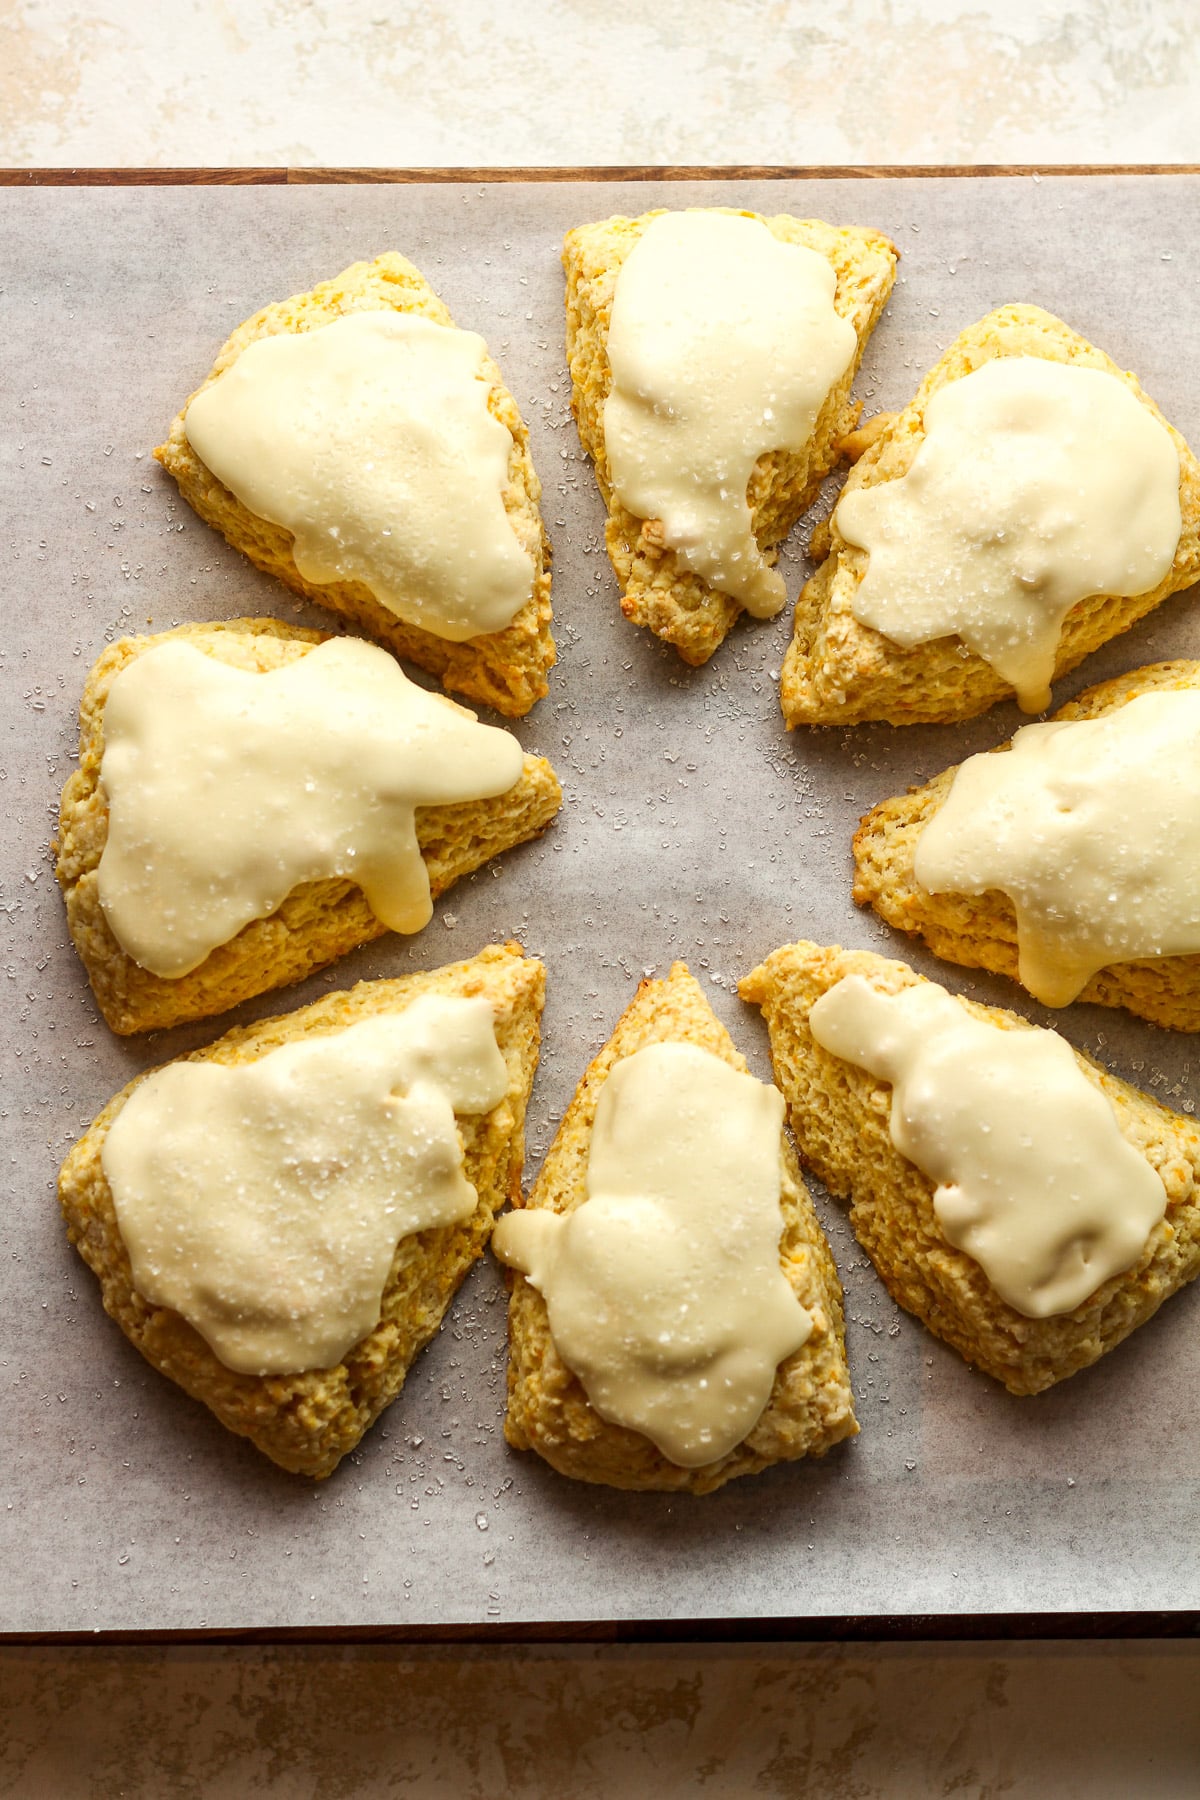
x: 318, y: 922
x: 811, y: 1406
x: 504, y: 669
x: 838, y: 671
x: 980, y: 930
x: 840, y: 1117
x: 307, y: 1422
x: 657, y: 591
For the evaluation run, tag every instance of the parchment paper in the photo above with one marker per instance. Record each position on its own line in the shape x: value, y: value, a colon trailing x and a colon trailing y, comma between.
x: 694, y: 827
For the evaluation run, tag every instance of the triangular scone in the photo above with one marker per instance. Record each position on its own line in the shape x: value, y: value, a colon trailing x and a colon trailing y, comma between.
x: 505, y: 669
x: 811, y: 1405
x: 838, y: 671
x: 658, y: 591
x: 307, y: 1422
x: 980, y: 930
x: 319, y: 921
x: 840, y: 1116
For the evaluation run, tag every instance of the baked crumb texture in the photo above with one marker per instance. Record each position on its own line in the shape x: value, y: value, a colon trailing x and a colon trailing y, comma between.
x: 980, y: 930
x: 811, y: 1406
x: 319, y: 921
x: 504, y: 669
x: 657, y: 590
x: 307, y: 1422
x: 840, y: 1117
x: 840, y: 672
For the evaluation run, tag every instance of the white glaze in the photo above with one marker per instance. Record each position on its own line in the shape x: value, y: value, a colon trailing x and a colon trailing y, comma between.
x: 1037, y: 484
x: 371, y: 441
x: 227, y: 789
x: 664, y: 1289
x: 724, y: 343
x: 1034, y: 1179
x: 1092, y: 828
x: 264, y: 1200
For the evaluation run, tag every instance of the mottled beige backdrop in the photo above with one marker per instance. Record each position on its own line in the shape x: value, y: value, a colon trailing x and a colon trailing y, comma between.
x: 471, y: 82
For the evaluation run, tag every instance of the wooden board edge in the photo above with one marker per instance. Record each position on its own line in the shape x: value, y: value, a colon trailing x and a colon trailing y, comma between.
x: 735, y: 172
x: 996, y: 1628
x: 306, y: 177
x: 22, y: 178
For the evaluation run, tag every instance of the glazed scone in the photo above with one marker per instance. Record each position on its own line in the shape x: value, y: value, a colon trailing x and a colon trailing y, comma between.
x: 811, y: 1404
x: 840, y: 1116
x: 658, y: 590
x: 839, y: 671
x: 980, y: 930
x: 505, y: 669
x: 319, y: 921
x: 307, y: 1422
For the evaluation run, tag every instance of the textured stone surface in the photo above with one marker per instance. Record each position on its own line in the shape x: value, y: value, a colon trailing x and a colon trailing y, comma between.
x: 467, y: 82
x: 905, y: 1722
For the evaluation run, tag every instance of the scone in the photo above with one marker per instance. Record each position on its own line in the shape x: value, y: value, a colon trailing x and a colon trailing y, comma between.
x: 306, y: 1422
x: 810, y: 1407
x: 840, y: 671
x: 319, y: 920
x: 840, y: 1116
x: 980, y: 930
x: 658, y: 589
x: 506, y: 669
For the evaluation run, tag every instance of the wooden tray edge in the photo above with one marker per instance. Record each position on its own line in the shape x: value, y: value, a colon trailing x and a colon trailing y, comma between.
x: 873, y: 1629
x: 288, y: 177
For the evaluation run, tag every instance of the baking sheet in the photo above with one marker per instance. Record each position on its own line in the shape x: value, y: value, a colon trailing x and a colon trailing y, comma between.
x: 694, y: 827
